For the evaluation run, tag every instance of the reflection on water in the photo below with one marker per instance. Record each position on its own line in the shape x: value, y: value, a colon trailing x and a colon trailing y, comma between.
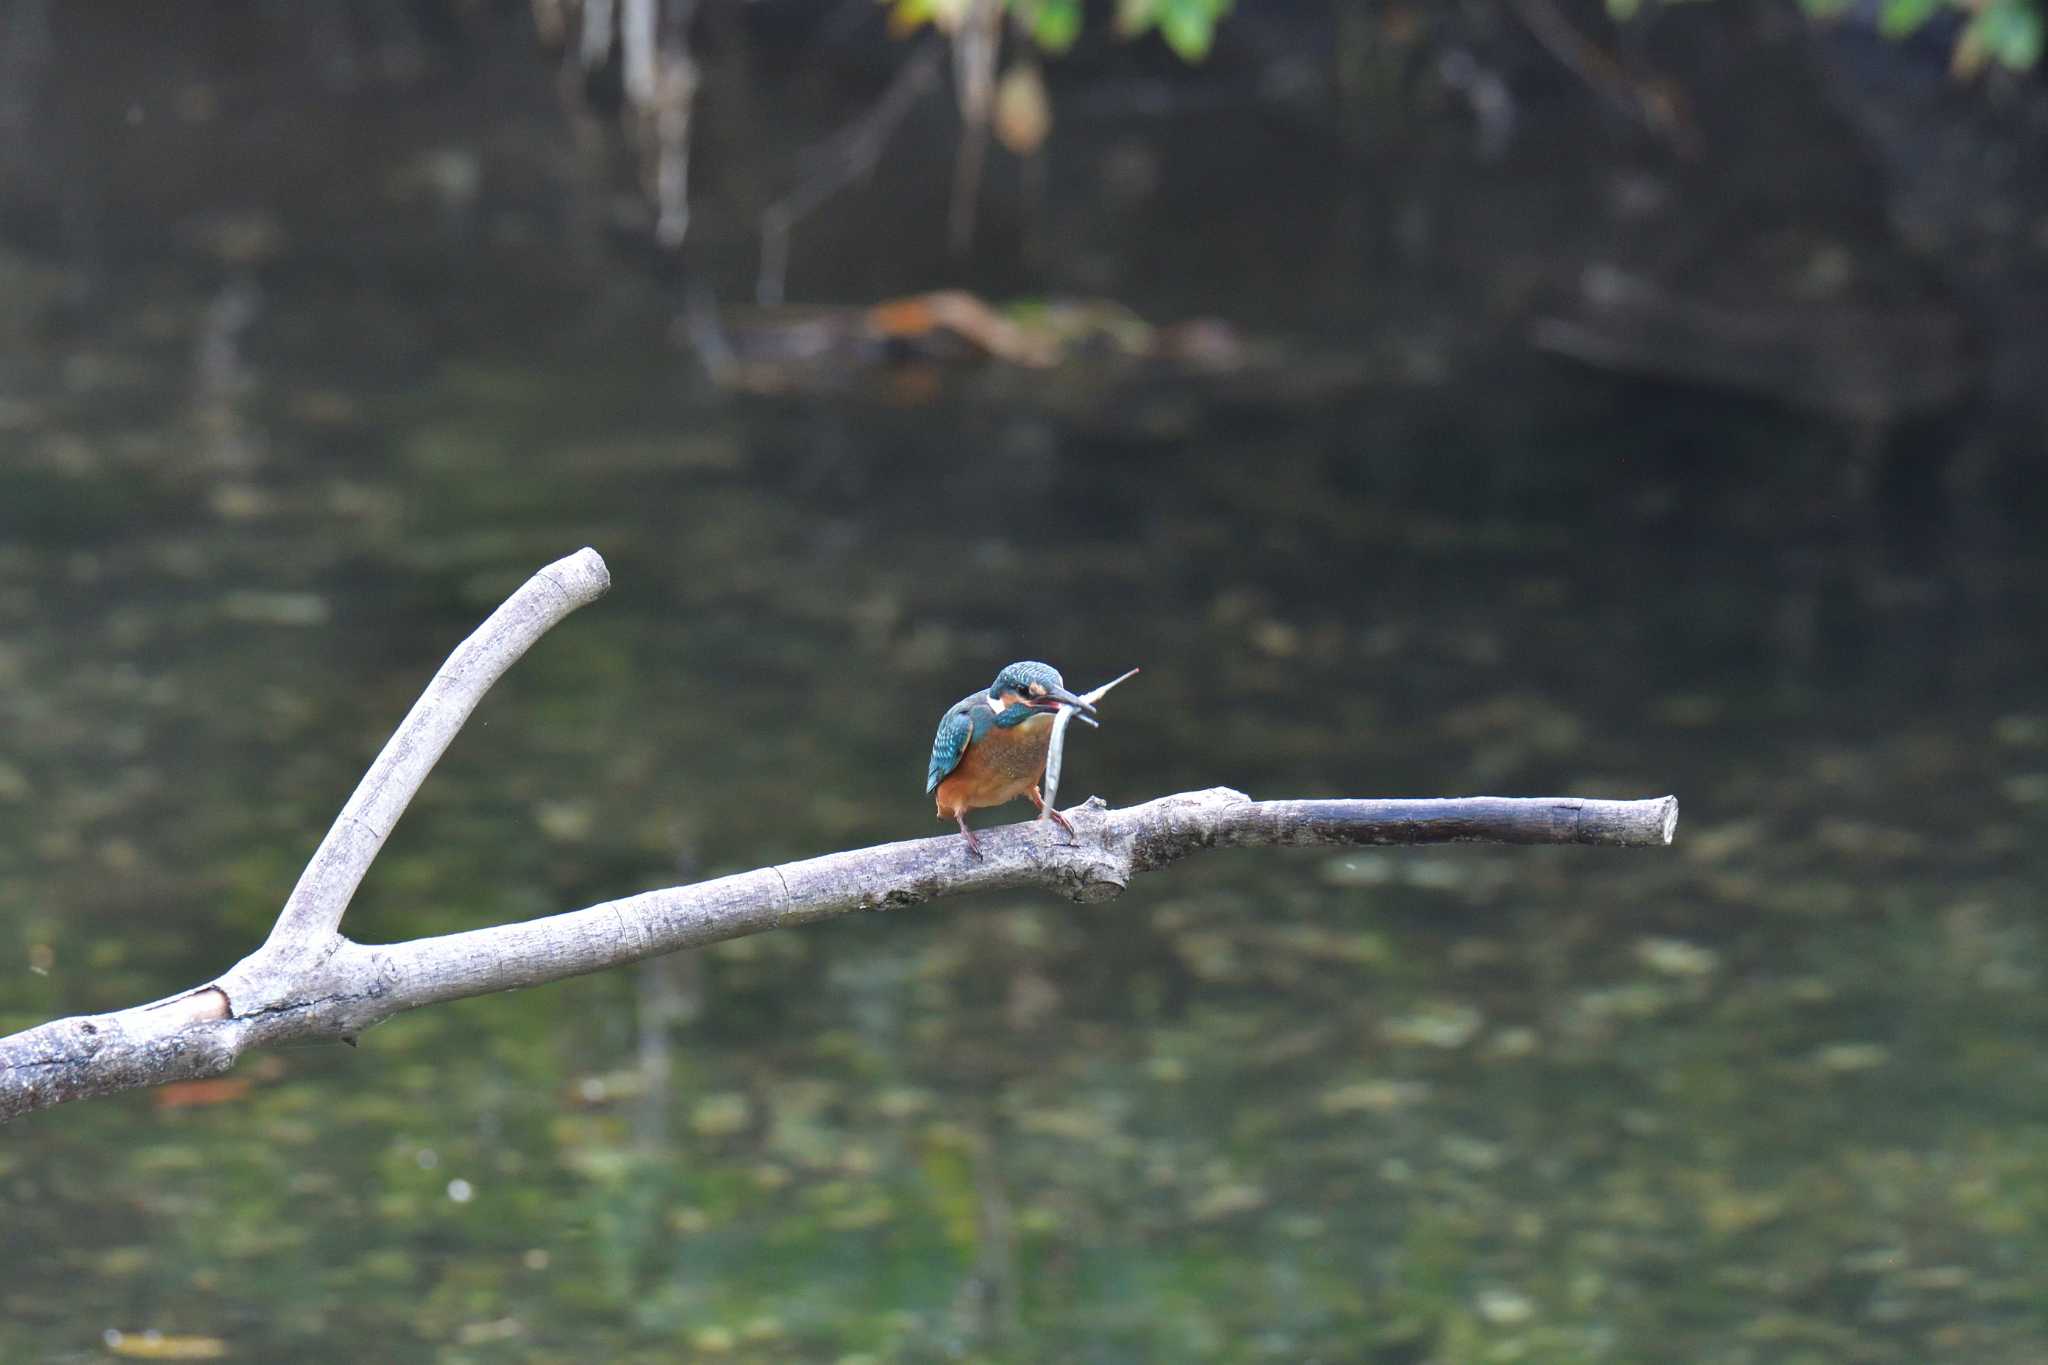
x: 1763, y: 1097
x: 1771, y: 1096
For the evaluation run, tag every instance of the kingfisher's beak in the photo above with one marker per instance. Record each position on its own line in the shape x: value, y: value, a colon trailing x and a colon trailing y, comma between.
x: 1061, y: 696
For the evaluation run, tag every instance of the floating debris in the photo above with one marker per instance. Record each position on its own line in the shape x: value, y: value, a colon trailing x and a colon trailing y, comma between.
x: 722, y: 1115
x: 714, y: 1341
x: 565, y: 821
x: 1227, y: 1201
x: 1638, y: 1000
x: 2021, y: 731
x: 1474, y: 1154
x: 155, y: 1345
x: 1845, y: 1057
x: 1513, y: 1042
x: 1505, y: 1307
x: 1445, y: 1025
x: 1373, y: 1097
x: 902, y: 1102
x: 1676, y: 957
x: 2026, y: 789
x: 1375, y: 868
x: 1867, y: 839
x: 300, y: 609
x: 1166, y: 1070
x: 1360, y: 869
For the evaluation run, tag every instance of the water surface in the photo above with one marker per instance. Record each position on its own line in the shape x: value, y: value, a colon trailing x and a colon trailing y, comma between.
x: 1770, y: 1095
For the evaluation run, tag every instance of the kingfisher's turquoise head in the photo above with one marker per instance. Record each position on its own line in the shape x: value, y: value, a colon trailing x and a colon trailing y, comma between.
x: 1035, y: 686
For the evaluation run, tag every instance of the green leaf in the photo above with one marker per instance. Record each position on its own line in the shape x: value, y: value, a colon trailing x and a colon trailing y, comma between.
x: 1621, y: 11
x: 1898, y: 18
x: 907, y: 16
x: 1056, y: 24
x: 1189, y: 26
x: 1188, y: 34
x: 2011, y: 31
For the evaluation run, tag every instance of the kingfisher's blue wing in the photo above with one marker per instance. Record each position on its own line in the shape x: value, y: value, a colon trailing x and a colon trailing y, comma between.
x: 954, y: 733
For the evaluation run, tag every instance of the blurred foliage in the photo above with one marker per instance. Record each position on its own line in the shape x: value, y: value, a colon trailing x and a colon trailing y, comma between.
x: 2007, y: 32
x: 1187, y: 26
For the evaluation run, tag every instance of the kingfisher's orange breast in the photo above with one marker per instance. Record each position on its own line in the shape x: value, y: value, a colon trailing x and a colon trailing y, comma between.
x: 1000, y: 766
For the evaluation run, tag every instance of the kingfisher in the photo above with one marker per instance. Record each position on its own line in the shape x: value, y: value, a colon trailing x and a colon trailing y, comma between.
x: 991, y: 745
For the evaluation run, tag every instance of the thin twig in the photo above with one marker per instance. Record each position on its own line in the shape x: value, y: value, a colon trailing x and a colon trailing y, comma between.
x: 599, y: 25
x: 1652, y: 104
x: 977, y: 39
x: 836, y: 163
x: 638, y: 60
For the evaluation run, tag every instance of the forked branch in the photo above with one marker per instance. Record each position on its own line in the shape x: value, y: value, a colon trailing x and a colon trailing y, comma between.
x: 308, y: 981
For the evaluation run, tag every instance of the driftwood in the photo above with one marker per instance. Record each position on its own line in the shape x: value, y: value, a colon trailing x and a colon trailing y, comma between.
x: 308, y: 981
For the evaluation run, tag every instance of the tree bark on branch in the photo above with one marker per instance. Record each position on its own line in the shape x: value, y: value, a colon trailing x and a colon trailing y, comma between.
x: 308, y: 981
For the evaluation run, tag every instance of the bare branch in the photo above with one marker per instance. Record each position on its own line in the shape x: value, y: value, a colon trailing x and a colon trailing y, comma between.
x: 977, y: 38
x: 845, y: 157
x: 1109, y: 848
x: 306, y: 928
x: 307, y: 981
x: 359, y: 985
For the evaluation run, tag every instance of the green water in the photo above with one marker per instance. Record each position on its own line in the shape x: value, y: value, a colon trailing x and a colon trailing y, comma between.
x: 1772, y: 1095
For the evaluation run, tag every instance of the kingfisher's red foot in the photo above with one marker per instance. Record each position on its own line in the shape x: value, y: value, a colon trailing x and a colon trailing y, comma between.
x: 973, y: 844
x: 1044, y: 810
